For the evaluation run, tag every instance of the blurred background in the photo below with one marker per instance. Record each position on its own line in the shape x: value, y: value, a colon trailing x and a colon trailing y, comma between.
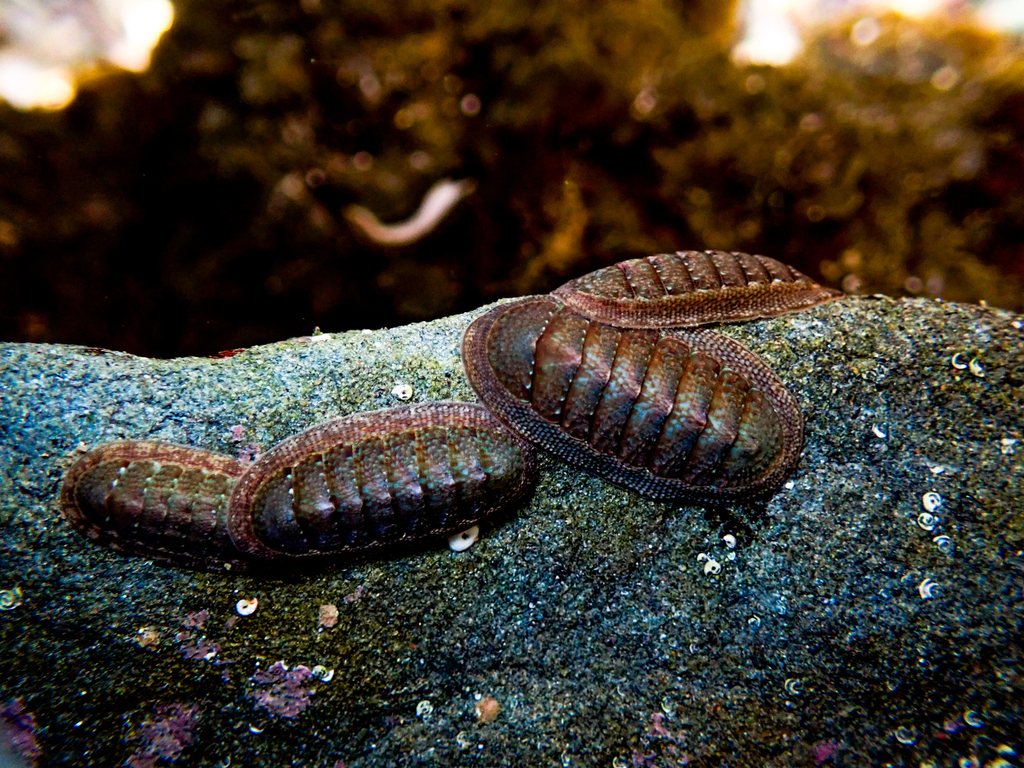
x: 187, y: 177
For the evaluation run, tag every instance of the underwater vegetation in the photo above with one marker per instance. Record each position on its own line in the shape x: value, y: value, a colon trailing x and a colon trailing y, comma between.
x: 592, y: 133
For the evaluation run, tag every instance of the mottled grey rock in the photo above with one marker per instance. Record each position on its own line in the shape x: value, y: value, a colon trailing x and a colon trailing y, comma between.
x: 587, y: 615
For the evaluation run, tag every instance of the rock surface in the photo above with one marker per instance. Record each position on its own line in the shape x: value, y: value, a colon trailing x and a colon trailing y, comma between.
x: 588, y: 616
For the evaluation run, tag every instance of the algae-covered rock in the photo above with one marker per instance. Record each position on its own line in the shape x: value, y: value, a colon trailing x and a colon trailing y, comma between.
x: 841, y: 624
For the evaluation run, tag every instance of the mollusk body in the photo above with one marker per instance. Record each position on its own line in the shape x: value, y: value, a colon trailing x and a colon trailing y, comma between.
x: 378, y: 479
x: 691, y: 288
x: 351, y: 485
x: 672, y: 414
x: 158, y: 500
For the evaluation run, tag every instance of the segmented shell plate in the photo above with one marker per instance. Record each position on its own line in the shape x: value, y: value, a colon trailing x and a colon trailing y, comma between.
x: 681, y: 414
x: 691, y: 288
x: 159, y: 500
x: 376, y: 479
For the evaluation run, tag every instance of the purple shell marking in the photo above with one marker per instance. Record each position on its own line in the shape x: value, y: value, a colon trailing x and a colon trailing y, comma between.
x: 672, y: 414
x: 379, y: 479
x: 158, y: 500
x: 691, y: 288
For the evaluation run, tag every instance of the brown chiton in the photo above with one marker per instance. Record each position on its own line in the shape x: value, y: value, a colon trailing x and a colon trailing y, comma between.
x: 159, y: 500
x: 672, y: 414
x: 691, y: 288
x: 379, y: 479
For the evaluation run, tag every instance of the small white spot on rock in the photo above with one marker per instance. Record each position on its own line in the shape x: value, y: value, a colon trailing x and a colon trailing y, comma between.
x: 906, y: 735
x: 927, y: 589
x: 711, y: 567
x: 247, y: 607
x: 402, y: 391
x: 460, y: 542
x: 322, y: 673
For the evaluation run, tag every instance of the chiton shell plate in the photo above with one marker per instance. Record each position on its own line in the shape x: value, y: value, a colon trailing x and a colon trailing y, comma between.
x: 672, y: 414
x: 158, y: 500
x: 691, y: 288
x: 378, y: 479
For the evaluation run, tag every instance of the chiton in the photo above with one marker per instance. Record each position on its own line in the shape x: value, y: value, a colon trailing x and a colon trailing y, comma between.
x: 350, y: 485
x: 379, y: 479
x: 159, y: 500
x: 671, y: 413
x: 691, y: 288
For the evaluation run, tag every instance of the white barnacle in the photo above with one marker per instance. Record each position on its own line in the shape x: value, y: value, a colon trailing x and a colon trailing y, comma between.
x: 711, y: 567
x: 977, y: 367
x: 402, y: 391
x: 460, y: 542
x: 754, y: 621
x: 247, y: 606
x: 927, y: 589
x: 956, y: 362
x: 794, y: 686
x: 926, y: 521
x: 973, y: 719
x: 320, y: 672
x: 906, y: 735
x: 931, y: 501
x: 879, y: 432
x: 944, y: 544
x: 10, y: 598
x: 436, y: 204
x: 1006, y: 446
x: 424, y: 709
x: 730, y: 541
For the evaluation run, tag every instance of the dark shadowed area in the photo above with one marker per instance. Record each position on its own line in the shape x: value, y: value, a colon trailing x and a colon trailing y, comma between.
x: 205, y: 204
